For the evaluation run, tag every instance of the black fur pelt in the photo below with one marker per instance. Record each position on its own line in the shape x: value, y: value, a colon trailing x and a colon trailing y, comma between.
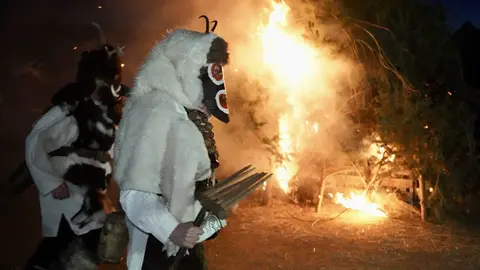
x: 99, y: 74
x: 96, y: 120
x: 96, y: 123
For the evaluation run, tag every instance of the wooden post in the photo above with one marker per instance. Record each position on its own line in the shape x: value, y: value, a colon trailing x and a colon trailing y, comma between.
x: 423, y: 197
x: 322, y: 189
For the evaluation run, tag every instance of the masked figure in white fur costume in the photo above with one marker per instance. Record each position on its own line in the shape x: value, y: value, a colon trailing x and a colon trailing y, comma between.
x: 68, y: 159
x: 161, y: 155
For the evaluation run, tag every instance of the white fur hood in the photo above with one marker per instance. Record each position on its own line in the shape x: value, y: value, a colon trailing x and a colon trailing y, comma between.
x: 158, y: 149
x: 173, y: 67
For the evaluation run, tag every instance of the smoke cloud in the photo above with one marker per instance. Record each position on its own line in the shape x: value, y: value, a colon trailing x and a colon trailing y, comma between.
x: 256, y: 95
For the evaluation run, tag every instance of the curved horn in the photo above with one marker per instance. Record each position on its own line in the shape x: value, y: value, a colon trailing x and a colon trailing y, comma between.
x: 207, y: 29
x: 214, y: 25
x: 115, y: 91
x: 103, y: 40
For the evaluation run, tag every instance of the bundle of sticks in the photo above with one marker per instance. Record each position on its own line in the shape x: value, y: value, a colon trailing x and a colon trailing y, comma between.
x: 219, y: 198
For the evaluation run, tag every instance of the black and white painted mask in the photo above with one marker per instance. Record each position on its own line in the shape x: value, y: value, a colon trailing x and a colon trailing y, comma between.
x: 214, y: 91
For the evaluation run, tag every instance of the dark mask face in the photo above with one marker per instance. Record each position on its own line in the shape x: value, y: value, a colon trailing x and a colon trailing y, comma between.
x: 214, y: 91
x: 102, y: 64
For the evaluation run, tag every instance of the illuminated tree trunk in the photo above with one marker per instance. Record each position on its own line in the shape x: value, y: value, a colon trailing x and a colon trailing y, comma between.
x: 321, y: 190
x: 423, y: 197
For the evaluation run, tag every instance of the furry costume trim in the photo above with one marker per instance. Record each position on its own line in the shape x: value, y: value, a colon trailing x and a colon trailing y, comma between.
x: 173, y: 66
x: 157, y: 148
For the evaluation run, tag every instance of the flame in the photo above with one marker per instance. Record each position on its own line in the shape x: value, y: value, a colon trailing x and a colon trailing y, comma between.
x: 359, y: 203
x: 374, y: 150
x: 291, y: 58
x: 290, y: 71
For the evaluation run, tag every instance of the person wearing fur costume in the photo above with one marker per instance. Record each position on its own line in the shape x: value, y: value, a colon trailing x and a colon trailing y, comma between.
x: 164, y: 149
x: 67, y: 156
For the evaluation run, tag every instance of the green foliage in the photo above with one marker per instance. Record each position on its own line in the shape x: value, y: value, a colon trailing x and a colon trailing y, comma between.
x: 410, y: 66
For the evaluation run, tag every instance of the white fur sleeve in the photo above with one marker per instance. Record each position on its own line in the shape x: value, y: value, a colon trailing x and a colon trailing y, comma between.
x: 147, y: 211
x: 51, y: 132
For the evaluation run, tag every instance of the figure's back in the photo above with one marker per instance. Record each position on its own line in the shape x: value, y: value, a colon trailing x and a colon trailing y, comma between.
x: 96, y: 126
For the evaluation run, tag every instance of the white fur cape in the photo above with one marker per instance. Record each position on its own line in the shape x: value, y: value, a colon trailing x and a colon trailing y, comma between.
x: 54, y: 130
x: 157, y: 148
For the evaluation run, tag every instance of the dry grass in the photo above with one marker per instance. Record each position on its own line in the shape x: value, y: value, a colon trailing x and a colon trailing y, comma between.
x: 281, y: 236
x: 270, y: 238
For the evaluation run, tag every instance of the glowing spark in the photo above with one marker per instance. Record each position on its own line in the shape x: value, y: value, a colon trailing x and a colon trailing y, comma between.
x: 425, y: 127
x: 99, y: 7
x: 450, y: 93
x: 75, y: 48
x: 122, y: 65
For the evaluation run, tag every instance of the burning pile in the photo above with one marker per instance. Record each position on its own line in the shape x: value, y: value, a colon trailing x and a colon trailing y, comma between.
x: 359, y: 203
x: 299, y: 72
x: 293, y: 63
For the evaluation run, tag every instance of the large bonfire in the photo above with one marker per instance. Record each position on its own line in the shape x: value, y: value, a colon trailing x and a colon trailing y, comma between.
x: 300, y: 71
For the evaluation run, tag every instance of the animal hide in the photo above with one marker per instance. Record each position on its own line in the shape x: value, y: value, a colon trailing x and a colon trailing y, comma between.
x: 86, y: 163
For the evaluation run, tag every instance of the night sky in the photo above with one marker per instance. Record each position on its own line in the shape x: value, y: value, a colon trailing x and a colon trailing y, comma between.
x: 459, y: 11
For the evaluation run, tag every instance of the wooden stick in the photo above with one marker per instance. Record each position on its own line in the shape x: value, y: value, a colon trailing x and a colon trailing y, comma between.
x: 214, y: 191
x: 242, y: 186
x: 182, y: 251
x: 322, y: 190
x: 212, y: 206
x: 320, y: 197
x: 234, y: 189
x: 229, y: 194
x: 244, y: 193
x: 212, y: 201
x: 227, y: 181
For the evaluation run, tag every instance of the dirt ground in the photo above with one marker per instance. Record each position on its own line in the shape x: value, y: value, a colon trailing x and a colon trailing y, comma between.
x: 282, y: 237
x: 285, y: 236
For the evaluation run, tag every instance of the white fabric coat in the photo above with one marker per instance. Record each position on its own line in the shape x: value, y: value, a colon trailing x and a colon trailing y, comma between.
x: 54, y: 130
x: 158, y: 150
